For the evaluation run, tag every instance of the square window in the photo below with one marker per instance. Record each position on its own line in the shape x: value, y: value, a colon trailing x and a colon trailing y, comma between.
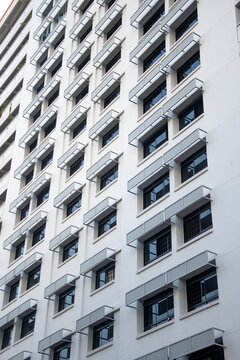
x: 28, y: 323
x: 193, y: 164
x: 62, y: 352
x: 86, y: 32
x: 107, y: 178
x: 107, y: 223
x: 33, y: 277
x: 156, y: 95
x: 47, y: 160
x: 102, y: 334
x: 197, y: 222
x: 157, y: 245
x: 105, y: 275
x: 7, y: 337
x: 189, y: 66
x: 190, y: 113
x: 156, y: 190
x: 70, y: 249
x: 111, y: 134
x: 66, y: 298
x: 14, y: 290
x: 74, y: 205
x: 43, y: 195
x: 155, y: 141
x: 38, y: 234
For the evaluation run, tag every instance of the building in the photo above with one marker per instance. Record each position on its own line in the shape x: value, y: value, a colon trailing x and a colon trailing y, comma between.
x: 119, y: 188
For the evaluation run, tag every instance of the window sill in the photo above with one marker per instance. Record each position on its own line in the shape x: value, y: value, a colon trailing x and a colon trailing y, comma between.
x: 22, y: 339
x: 63, y: 311
x: 152, y: 205
x: 102, y: 287
x: 110, y: 142
x: 163, y: 257
x: 152, y: 108
x: 186, y: 127
x: 67, y: 260
x: 9, y: 303
x: 5, y: 349
x: 69, y: 216
x: 15, y: 260
x: 100, y: 348
x: 118, y: 29
x: 21, y: 222
x: 106, y: 187
x: 151, y: 67
x: 105, y: 234
x: 185, y: 79
x: 111, y: 69
x: 79, y: 102
x: 191, y: 179
x: 167, y: 323
x: 183, y: 36
x: 28, y: 290
x: 153, y: 153
x: 34, y: 246
x: 38, y: 207
x: 195, y: 239
x: 204, y: 307
x: 76, y: 172
x: 109, y: 105
x: 78, y: 135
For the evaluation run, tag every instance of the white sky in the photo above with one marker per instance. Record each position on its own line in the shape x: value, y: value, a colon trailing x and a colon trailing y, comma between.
x: 3, y: 6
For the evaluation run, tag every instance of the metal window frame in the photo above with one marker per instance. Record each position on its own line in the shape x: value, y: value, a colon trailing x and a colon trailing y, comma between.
x: 78, y: 53
x: 106, y: 51
x: 58, y: 285
x: 143, y: 10
x: 79, y: 80
x: 77, y: 113
x: 101, y: 164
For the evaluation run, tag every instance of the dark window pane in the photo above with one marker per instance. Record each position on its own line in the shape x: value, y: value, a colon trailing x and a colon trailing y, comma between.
x: 197, y: 222
x: 50, y: 128
x: 38, y: 234
x: 211, y: 353
x: 19, y: 249
x: 24, y: 212
x: 74, y: 205
x: 29, y: 177
x: 62, y: 352
x: 87, y: 6
x: 110, y: 3
x: 190, y: 113
x: 33, y: 145
x: 157, y: 245
x: 113, y: 61
x: 115, y: 93
x: 102, y: 334
x: 28, y: 324
x: 193, y: 164
x: 33, y: 277
x: 155, y: 141
x: 156, y: 190
x: 47, y: 160
x: 43, y: 195
x: 7, y: 337
x: 84, y: 62
x: 187, y: 24
x: 114, y: 28
x: 105, y: 275
x: 154, y: 97
x: 79, y: 128
x: 56, y: 68
x: 154, y: 18
x: 188, y: 67
x: 39, y: 87
x: 154, y: 56
x: 37, y: 115
x: 66, y: 299
x: 85, y: 34
x: 14, y: 288
x: 81, y: 95
x: 70, y: 249
x: 111, y: 134
x: 53, y: 97
x: 59, y: 41
x: 107, y: 223
x: 108, y: 177
x: 76, y: 165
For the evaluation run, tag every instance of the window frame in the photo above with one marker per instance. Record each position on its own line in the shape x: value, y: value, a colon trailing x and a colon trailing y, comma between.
x: 152, y: 139
x: 43, y: 195
x: 157, y: 15
x: 13, y: 287
x: 108, y: 272
x: 196, y: 107
x: 68, y: 247
x: 76, y: 165
x: 159, y: 237
x: 108, y: 177
x: 111, y: 97
x: 155, y: 96
x: 150, y: 189
x: 38, y: 234
x: 59, y: 348
x: 99, y: 341
x: 190, y: 168
x: 188, y: 23
x: 105, y: 223
x: 63, y: 296
x: 33, y: 277
x: 29, y: 327
x: 188, y: 67
x: 71, y: 205
x: 7, y: 337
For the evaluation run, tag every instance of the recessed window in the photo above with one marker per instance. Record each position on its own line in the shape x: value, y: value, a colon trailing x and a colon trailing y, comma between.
x: 45, y: 34
x: 50, y: 127
x: 193, y: 164
x: 109, y: 177
x: 66, y: 298
x: 14, y: 289
x: 74, y: 205
x: 190, y: 113
x: 155, y: 96
x: 28, y: 323
x: 113, y: 61
x: 59, y: 40
x: 47, y: 160
x: 77, y: 164
x: 81, y: 95
x: 197, y: 222
x: 102, y: 334
x: 154, y: 18
x: 154, y: 56
x: 156, y: 190
x: 115, y: 93
x: 114, y: 28
x: 107, y: 223
x: 155, y: 141
x: 187, y: 24
x: 43, y: 195
x: 24, y: 212
x: 29, y: 177
x: 70, y: 249
x: 211, y: 353
x: 7, y: 337
x: 62, y: 352
x: 61, y: 13
x: 84, y: 9
x: 188, y: 67
x: 84, y: 62
x: 157, y: 245
x: 105, y: 275
x: 158, y: 309
x: 36, y: 115
x: 39, y: 87
x: 53, y: 97
x: 111, y: 134
x: 110, y: 3
x: 38, y: 234
x: 33, y: 277
x: 79, y: 128
x: 19, y: 250
x: 202, y: 289
x: 86, y: 32
x: 33, y: 145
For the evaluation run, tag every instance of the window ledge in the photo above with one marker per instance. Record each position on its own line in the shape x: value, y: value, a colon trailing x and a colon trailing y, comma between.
x: 153, y: 153
x: 102, y: 287
x: 110, y: 142
x: 191, y: 179
x: 100, y: 348
x: 79, y: 101
x: 105, y: 234
x: 151, y: 67
x: 9, y: 303
x: 111, y: 69
x: 21, y: 222
x: 70, y: 177
x: 109, y: 105
x: 118, y: 29
x: 204, y: 307
x: 183, y: 36
x: 22, y: 339
x: 152, y: 108
x: 63, y: 311
x: 69, y: 216
x: 152, y: 205
x: 15, y: 260
x: 5, y: 349
x: 186, y: 78
x: 162, y: 326
x: 38, y: 207
x: 34, y: 246
x: 195, y: 239
x: 67, y: 260
x: 28, y: 290
x: 186, y: 127
x: 107, y: 186
x: 154, y: 262
x: 78, y: 135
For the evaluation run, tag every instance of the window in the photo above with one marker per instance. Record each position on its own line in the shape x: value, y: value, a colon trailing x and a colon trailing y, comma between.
x: 33, y: 145
x: 108, y: 177
x: 46, y: 160
x: 58, y: 42
x: 190, y: 113
x: 62, y: 352
x: 110, y: 3
x: 7, y: 337
x: 36, y: 115
x: 84, y: 62
x: 61, y: 13
x: 43, y: 195
x: 81, y: 95
x: 114, y: 28
x: 188, y: 67
x: 70, y: 249
x: 102, y: 334
x: 193, y: 164
x: 38, y: 234
x: 187, y: 24
x: 113, y: 61
x: 84, y: 9
x: 50, y: 128
x: 202, y: 289
x: 211, y: 353
x: 19, y: 250
x: 154, y: 56
x: 115, y: 93
x: 39, y: 87
x: 45, y: 34
x: 156, y: 190
x: 197, y: 222
x: 105, y: 275
x: 107, y: 223
x: 85, y: 34
x: 79, y: 128
x: 33, y: 277
x: 74, y: 205
x: 28, y: 324
x: 155, y: 141
x: 158, y: 309
x: 111, y: 134
x: 157, y: 245
x: 24, y: 212
x: 14, y: 289
x: 29, y: 177
x: 154, y: 97
x: 66, y: 298
x: 154, y: 18
x: 53, y: 97
x: 76, y: 165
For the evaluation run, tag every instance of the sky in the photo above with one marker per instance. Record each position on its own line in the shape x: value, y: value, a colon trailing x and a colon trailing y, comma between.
x: 3, y: 6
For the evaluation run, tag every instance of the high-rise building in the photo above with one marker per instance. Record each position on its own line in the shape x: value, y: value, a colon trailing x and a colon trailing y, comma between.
x: 119, y: 180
